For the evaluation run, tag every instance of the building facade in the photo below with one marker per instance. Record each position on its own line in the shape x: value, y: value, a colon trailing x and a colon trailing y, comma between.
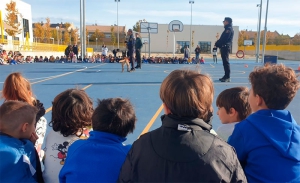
x: 25, y: 22
x: 203, y: 35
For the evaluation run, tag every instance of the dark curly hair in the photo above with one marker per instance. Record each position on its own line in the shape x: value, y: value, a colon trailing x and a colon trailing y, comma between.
x: 276, y: 84
x: 72, y: 111
x: 114, y: 115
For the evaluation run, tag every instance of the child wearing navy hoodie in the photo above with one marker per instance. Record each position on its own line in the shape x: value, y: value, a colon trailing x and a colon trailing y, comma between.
x: 267, y: 142
x: 100, y: 157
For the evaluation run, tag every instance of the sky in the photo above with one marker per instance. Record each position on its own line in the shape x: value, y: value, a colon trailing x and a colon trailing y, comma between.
x: 283, y: 15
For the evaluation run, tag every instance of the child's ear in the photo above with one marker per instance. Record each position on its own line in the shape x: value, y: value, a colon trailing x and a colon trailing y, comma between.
x: 24, y: 127
x: 260, y: 102
x: 166, y: 109
x: 232, y: 111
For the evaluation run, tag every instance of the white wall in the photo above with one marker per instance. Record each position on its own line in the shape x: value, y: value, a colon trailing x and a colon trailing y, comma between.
x: 202, y: 33
x: 25, y: 10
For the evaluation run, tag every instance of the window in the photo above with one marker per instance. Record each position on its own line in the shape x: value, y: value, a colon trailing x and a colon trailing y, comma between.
x: 180, y: 46
x: 25, y: 27
x: 107, y: 35
x: 5, y: 36
x: 205, y: 46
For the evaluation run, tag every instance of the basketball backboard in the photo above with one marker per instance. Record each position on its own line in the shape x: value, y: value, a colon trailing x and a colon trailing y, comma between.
x: 175, y: 26
x: 247, y: 42
x: 148, y: 27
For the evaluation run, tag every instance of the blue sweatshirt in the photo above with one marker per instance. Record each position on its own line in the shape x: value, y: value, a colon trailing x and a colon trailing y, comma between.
x: 18, y: 160
x: 268, y: 146
x: 97, y: 159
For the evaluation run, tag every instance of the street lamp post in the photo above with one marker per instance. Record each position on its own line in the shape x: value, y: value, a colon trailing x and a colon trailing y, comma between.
x: 118, y: 20
x: 57, y: 28
x: 265, y: 33
x: 191, y: 2
x: 258, y: 31
x: 88, y: 40
x: 96, y: 44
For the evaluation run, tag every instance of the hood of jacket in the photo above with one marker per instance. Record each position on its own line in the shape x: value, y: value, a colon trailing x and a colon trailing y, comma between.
x: 280, y: 129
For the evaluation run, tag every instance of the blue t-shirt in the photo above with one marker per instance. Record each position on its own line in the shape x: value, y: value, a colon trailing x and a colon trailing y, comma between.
x: 18, y: 160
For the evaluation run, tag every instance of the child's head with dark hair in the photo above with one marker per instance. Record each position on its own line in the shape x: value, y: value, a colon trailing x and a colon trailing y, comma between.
x: 188, y: 93
x: 233, y: 105
x: 71, y: 112
x: 17, y: 119
x: 114, y: 115
x: 273, y: 87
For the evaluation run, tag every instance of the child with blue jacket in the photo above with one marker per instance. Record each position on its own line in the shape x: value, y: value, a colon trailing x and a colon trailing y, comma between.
x: 267, y: 142
x: 19, y: 160
x: 100, y: 157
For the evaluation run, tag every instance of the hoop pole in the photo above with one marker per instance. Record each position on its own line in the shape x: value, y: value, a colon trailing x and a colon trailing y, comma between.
x: 174, y: 45
x: 149, y: 40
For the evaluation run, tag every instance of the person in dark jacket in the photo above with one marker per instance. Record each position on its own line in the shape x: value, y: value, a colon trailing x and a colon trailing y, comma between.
x: 183, y: 149
x: 224, y: 43
x: 138, y: 47
x: 75, y: 50
x: 130, y: 46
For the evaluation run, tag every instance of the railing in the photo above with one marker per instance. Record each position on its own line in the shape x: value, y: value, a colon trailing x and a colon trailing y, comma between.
x: 292, y: 48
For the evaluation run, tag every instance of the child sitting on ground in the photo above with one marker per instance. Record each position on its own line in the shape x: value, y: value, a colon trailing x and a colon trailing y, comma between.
x: 233, y: 107
x: 71, y: 119
x: 202, y: 61
x: 267, y: 142
x: 100, y: 157
x: 19, y: 159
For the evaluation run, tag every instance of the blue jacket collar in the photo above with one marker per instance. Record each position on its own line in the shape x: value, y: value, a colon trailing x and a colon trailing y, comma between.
x: 106, y: 137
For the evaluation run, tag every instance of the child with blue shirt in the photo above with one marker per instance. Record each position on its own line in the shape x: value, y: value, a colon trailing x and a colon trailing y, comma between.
x: 267, y: 142
x: 100, y: 157
x: 19, y: 159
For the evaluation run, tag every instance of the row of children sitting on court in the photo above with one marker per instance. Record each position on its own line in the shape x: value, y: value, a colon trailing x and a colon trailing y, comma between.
x: 170, y: 60
x: 266, y: 142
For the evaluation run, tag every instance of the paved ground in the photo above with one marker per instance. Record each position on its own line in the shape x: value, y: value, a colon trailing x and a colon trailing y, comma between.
x: 141, y: 87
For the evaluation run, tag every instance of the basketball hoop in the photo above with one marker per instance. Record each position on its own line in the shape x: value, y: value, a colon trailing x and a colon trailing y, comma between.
x: 175, y: 30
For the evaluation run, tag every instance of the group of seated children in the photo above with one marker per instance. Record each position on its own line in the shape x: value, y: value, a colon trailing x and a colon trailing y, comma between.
x: 86, y: 144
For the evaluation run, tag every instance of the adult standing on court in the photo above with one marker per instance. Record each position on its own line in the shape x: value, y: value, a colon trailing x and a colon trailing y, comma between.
x: 224, y: 43
x: 130, y: 47
x: 138, y: 47
x: 197, y: 52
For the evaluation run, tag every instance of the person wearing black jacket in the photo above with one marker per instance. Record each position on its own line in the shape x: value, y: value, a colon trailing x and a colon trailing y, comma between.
x: 138, y: 47
x: 130, y: 46
x: 197, y: 52
x: 224, y: 43
x: 183, y: 149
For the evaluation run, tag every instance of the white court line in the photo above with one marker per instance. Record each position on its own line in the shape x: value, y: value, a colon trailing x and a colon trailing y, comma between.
x: 60, y: 75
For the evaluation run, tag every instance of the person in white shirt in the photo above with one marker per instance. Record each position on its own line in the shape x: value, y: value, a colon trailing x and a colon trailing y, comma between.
x: 104, y: 50
x: 233, y: 107
x: 215, y: 52
x: 71, y: 120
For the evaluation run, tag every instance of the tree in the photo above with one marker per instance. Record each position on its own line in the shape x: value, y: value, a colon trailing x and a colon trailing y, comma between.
x: 47, y: 31
x: 12, y: 19
x: 38, y: 31
x: 113, y: 36
x: 296, y: 39
x: 66, y: 38
x: 242, y: 36
x: 137, y: 26
x: 97, y: 34
x: 74, y: 35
